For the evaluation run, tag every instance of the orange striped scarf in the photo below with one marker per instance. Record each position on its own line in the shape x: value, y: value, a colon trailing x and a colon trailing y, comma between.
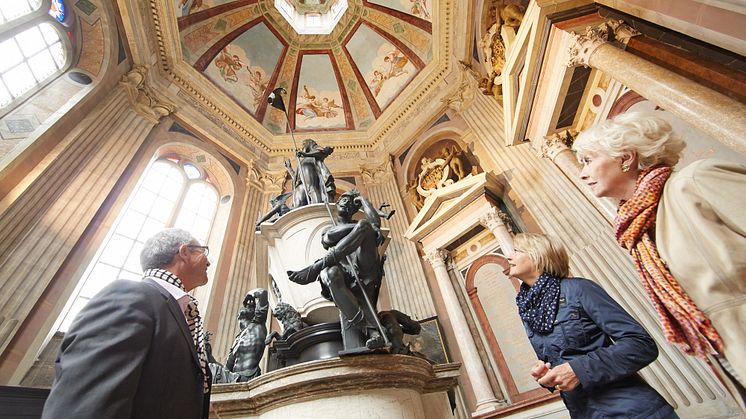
x: 682, y: 322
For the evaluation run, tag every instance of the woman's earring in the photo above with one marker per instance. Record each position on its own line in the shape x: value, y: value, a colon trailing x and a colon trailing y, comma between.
x: 625, y: 168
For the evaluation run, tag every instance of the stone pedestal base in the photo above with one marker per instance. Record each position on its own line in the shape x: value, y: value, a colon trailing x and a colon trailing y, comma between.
x: 388, y: 386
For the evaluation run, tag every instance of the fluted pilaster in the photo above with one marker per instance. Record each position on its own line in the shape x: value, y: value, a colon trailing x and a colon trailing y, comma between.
x: 405, y: 277
x: 44, y: 222
x: 261, y: 185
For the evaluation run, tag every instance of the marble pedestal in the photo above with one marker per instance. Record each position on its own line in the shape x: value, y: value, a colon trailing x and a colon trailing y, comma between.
x: 385, y: 386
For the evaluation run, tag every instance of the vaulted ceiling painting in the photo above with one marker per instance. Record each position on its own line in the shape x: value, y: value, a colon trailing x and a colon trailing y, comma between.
x: 342, y: 81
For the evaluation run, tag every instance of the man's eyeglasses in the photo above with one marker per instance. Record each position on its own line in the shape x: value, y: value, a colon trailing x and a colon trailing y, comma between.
x: 205, y: 249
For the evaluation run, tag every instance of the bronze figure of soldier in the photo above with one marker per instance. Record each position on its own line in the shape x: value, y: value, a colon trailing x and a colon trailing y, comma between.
x: 313, y: 183
x: 352, y: 247
x: 248, y: 347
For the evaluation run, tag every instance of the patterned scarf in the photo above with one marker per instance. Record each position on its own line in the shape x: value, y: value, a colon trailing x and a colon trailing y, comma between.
x: 682, y: 322
x: 538, y: 304
x: 194, y: 320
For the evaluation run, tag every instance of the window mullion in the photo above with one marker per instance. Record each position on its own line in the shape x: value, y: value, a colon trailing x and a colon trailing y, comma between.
x: 179, y: 204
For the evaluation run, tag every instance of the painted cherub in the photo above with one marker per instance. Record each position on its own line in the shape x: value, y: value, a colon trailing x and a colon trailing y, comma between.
x: 228, y: 65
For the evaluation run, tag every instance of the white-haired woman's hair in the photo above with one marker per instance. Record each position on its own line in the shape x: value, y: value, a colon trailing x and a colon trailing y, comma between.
x: 650, y: 136
x: 158, y: 250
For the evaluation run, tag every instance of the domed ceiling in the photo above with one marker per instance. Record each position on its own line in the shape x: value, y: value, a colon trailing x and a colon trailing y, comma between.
x: 341, y: 81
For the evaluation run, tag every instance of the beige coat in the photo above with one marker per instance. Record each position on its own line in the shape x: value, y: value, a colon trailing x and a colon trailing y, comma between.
x: 701, y: 235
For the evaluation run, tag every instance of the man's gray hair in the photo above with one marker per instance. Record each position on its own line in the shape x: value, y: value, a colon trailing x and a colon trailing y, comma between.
x: 158, y: 250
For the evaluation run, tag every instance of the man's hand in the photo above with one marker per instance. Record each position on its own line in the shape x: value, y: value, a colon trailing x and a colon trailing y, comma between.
x: 561, y: 377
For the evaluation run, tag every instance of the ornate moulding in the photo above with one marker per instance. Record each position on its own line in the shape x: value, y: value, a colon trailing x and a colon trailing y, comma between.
x: 176, y: 75
x: 318, y: 385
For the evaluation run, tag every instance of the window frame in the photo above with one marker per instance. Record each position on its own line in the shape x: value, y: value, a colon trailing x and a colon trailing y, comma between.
x: 33, y: 19
x: 75, y: 296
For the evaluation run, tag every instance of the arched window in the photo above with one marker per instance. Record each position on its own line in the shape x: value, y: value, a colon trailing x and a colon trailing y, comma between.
x: 171, y: 193
x: 34, y: 47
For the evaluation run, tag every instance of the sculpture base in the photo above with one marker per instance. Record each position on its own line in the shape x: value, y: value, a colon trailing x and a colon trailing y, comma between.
x: 320, y: 341
x: 389, y: 386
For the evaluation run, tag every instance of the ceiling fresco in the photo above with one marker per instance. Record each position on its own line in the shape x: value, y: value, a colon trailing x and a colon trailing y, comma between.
x: 343, y: 81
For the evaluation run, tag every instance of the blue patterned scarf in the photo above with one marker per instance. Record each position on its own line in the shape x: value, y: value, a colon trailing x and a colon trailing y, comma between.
x: 538, y: 304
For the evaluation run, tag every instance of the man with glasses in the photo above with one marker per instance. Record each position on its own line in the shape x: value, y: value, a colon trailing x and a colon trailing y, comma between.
x: 137, y: 348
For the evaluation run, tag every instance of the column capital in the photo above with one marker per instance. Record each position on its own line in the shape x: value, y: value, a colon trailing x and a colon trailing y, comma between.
x: 141, y: 96
x: 265, y: 180
x: 437, y: 257
x: 463, y: 96
x: 379, y: 174
x: 583, y: 46
x: 495, y: 218
x: 553, y: 145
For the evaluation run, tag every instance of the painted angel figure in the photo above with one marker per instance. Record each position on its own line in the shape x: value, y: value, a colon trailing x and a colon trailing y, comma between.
x: 257, y: 84
x: 376, y: 83
x: 328, y: 107
x: 419, y: 8
x: 397, y: 61
x: 228, y: 65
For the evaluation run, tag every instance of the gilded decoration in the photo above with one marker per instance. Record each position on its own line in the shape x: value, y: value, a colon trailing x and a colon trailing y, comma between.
x: 170, y: 27
x: 448, y: 166
x: 505, y: 21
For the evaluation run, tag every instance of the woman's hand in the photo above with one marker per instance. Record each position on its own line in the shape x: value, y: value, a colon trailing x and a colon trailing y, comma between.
x: 561, y: 377
x: 539, y: 369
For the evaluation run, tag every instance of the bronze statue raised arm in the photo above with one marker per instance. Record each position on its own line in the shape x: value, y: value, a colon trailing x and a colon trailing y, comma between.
x: 248, y: 347
x: 352, y: 248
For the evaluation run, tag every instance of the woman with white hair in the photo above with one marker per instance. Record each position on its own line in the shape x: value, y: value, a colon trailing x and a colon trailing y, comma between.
x: 685, y: 230
x: 589, y: 347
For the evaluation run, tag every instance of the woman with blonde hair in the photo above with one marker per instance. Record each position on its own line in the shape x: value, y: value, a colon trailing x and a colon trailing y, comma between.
x: 589, y: 347
x: 685, y: 230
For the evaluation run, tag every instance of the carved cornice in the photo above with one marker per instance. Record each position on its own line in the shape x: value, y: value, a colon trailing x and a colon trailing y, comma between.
x: 583, y: 46
x: 142, y: 98
x: 379, y: 174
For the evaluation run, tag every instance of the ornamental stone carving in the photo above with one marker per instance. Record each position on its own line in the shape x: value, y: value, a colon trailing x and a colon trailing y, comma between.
x: 553, y: 145
x: 142, y: 98
x: 496, y: 219
x: 464, y: 95
x: 583, y: 46
x: 379, y: 174
x: 264, y: 180
x: 437, y: 257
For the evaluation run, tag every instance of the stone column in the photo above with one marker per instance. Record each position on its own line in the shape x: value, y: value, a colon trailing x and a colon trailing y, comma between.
x: 718, y: 115
x: 43, y: 221
x: 499, y: 224
x: 486, y: 400
x: 405, y: 277
x: 261, y: 185
x: 556, y: 147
